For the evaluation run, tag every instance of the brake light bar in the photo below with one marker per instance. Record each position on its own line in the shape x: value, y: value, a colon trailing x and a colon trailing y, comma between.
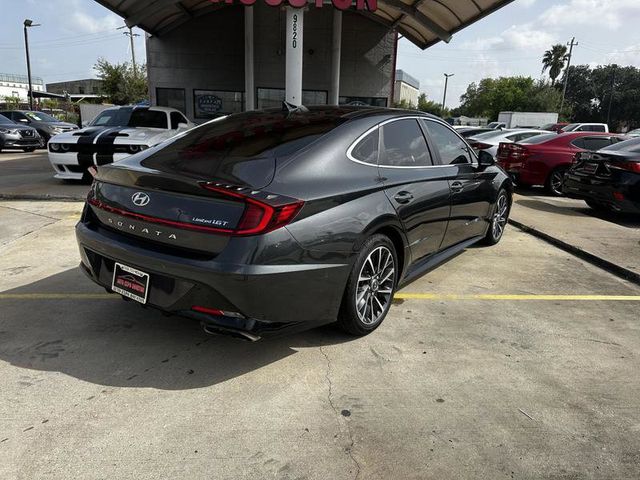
x: 259, y: 217
x: 624, y: 165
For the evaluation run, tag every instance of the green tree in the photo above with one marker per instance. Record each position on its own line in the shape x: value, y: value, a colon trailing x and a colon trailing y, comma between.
x: 591, y: 91
x: 554, y: 60
x: 429, y: 106
x: 494, y: 95
x: 122, y: 84
x: 12, y: 103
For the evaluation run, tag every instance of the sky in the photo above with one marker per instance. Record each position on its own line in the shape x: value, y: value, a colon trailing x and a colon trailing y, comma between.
x: 74, y: 33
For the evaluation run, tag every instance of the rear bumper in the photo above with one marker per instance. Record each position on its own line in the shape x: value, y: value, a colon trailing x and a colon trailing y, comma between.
x: 622, y: 195
x: 271, y: 298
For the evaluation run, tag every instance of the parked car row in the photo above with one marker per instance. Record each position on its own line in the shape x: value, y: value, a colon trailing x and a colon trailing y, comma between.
x: 601, y: 168
x: 18, y: 137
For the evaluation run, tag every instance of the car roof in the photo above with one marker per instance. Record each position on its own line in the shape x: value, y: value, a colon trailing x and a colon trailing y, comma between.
x: 143, y: 107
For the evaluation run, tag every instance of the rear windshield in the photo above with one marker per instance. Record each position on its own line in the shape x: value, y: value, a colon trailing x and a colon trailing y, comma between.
x: 491, y: 134
x: 242, y: 146
x: 540, y: 138
x: 632, y: 145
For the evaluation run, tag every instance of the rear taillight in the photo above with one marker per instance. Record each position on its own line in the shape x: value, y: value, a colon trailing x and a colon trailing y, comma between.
x: 259, y: 217
x: 624, y: 165
x: 480, y: 145
x: 512, y: 151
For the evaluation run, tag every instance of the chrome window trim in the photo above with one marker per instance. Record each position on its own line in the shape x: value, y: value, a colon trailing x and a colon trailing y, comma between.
x: 416, y: 117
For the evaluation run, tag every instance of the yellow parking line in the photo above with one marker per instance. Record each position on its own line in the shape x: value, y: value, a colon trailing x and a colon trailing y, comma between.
x: 445, y: 296
x: 57, y: 296
x: 399, y: 296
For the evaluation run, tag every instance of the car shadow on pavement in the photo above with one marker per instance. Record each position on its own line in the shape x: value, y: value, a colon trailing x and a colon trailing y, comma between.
x: 622, y: 219
x: 110, y: 342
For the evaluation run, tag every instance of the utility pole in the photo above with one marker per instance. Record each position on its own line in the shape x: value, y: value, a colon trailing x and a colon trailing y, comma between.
x: 446, y: 82
x: 130, y: 34
x: 566, y: 72
x: 613, y: 88
x: 29, y: 23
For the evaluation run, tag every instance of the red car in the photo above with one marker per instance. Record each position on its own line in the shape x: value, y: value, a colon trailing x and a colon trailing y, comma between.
x: 544, y: 159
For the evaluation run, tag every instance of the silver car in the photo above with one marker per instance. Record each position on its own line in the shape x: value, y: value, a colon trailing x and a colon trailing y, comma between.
x: 490, y: 141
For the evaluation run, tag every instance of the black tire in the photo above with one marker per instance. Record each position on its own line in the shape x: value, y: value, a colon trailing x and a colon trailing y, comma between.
x: 29, y: 150
x: 555, y: 180
x: 375, y: 293
x: 499, y: 218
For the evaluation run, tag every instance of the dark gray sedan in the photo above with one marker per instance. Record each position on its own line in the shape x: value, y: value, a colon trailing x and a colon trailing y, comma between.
x: 277, y: 220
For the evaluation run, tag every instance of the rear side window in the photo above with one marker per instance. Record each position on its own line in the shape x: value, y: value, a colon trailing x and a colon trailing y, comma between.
x: 596, y: 143
x: 148, y: 118
x: 366, y: 150
x: 453, y: 150
x: 404, y: 145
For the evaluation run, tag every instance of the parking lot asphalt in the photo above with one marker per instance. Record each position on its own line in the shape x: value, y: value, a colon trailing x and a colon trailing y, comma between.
x: 30, y: 175
x: 515, y: 361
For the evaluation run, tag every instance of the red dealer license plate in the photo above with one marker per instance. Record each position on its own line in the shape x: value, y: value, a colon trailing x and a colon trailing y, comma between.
x: 130, y: 282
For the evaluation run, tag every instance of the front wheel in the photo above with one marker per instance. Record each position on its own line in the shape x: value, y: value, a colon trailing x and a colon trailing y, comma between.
x: 370, y: 287
x: 499, y: 218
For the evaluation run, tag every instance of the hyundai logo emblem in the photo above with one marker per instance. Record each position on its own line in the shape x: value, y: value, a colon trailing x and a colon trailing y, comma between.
x: 140, y: 199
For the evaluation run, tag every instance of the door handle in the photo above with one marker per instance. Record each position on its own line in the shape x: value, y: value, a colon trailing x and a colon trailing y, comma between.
x: 403, y: 197
x: 457, y: 187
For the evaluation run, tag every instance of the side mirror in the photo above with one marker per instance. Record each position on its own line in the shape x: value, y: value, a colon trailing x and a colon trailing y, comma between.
x: 182, y: 126
x: 485, y: 159
x: 23, y: 120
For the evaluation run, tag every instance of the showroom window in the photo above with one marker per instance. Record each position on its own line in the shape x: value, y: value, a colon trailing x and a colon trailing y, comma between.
x: 403, y: 145
x: 214, y: 103
x: 273, y: 97
x: 171, y: 97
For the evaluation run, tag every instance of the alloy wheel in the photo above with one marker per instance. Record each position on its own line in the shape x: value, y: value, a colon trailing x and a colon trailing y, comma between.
x: 500, y: 217
x: 375, y: 285
x: 557, y: 177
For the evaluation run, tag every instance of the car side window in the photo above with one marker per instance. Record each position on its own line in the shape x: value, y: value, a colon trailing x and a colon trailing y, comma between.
x: 596, y: 143
x: 403, y: 145
x: 176, y: 119
x: 578, y: 143
x: 366, y: 150
x: 453, y: 150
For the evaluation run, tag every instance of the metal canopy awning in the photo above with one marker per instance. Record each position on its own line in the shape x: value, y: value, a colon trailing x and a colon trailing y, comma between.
x: 423, y: 22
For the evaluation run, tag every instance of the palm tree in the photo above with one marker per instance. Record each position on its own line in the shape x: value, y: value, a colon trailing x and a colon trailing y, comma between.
x: 554, y: 60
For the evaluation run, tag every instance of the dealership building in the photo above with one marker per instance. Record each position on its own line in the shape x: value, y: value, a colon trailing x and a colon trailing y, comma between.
x: 213, y: 57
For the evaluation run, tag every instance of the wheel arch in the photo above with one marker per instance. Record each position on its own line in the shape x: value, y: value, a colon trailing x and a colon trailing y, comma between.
x: 389, y: 226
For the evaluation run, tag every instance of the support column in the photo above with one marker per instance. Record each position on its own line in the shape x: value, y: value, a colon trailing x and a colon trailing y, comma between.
x: 294, y: 51
x: 336, y: 53
x: 249, y: 79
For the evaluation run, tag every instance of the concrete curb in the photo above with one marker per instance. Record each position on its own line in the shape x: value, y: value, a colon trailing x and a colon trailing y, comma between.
x: 600, y: 262
x: 43, y: 197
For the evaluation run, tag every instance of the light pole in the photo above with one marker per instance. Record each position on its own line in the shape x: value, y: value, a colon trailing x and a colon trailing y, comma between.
x: 29, y: 23
x: 444, y: 97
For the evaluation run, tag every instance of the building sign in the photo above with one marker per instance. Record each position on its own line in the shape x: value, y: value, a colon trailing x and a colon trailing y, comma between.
x: 371, y: 5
